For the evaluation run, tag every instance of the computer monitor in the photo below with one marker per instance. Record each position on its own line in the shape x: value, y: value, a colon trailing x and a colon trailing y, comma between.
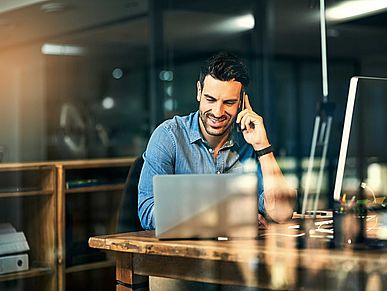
x: 363, y: 152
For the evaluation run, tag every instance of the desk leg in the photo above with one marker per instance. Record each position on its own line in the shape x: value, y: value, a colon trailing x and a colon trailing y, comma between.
x: 126, y: 280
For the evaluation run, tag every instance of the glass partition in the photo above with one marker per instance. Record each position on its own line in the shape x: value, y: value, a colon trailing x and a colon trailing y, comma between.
x: 92, y: 79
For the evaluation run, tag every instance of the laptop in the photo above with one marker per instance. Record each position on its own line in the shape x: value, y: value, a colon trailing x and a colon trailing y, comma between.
x: 206, y: 206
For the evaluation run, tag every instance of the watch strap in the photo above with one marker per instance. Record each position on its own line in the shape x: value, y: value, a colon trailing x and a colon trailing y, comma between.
x: 264, y: 151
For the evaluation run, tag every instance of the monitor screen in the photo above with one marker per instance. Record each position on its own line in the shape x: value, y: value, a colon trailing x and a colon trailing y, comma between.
x: 363, y: 153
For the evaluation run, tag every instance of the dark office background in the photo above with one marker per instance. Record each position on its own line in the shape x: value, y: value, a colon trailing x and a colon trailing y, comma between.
x: 84, y: 79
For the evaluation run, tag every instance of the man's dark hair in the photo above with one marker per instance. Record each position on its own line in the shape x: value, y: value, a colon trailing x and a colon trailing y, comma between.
x: 225, y: 66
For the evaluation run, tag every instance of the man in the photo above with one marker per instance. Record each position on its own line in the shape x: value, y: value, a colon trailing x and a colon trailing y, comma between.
x: 208, y: 141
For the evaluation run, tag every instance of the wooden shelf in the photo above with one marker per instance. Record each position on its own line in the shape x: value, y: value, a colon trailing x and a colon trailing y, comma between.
x: 26, y: 193
x: 5, y: 167
x: 34, y: 196
x: 32, y: 272
x: 90, y: 266
x: 99, y: 188
x: 82, y: 207
x: 95, y: 163
x: 70, y: 164
x: 28, y: 202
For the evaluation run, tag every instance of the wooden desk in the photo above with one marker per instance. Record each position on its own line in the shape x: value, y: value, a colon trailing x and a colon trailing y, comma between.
x: 272, y: 262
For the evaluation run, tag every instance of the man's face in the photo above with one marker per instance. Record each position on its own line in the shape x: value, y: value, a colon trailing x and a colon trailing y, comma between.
x: 218, y: 105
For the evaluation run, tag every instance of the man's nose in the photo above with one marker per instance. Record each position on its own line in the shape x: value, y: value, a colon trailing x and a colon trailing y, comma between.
x: 218, y: 110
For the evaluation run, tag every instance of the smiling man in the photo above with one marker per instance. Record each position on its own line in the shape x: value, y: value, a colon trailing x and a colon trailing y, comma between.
x: 218, y: 138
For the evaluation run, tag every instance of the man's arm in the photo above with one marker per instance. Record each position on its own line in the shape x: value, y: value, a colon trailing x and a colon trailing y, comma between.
x: 158, y: 160
x: 279, y: 198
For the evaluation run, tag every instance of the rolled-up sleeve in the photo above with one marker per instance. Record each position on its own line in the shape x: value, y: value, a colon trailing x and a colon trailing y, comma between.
x: 159, y: 159
x: 261, y: 194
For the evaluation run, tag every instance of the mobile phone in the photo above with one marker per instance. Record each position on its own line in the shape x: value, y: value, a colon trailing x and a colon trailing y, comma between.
x: 241, y: 107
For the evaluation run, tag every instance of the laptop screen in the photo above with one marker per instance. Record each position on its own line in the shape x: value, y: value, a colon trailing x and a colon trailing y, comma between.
x: 206, y: 206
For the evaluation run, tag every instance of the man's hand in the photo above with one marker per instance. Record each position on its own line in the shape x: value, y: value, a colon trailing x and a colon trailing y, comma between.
x: 252, y: 126
x: 262, y: 223
x: 279, y: 198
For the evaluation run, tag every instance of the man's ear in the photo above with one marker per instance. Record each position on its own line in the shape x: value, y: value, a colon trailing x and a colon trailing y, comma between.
x: 198, y: 91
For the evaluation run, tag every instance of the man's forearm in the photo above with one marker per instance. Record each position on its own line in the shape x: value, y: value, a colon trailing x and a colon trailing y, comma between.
x: 279, y: 197
x: 145, y: 210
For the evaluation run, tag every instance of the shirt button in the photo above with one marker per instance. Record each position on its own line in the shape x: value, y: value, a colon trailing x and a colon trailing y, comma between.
x: 218, y: 172
x: 211, y: 150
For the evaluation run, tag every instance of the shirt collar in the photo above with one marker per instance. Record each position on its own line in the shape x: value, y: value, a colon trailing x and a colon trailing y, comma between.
x: 194, y: 129
x: 195, y: 133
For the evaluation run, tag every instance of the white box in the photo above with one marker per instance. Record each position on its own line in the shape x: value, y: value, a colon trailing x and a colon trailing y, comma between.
x: 13, y: 243
x: 14, y: 263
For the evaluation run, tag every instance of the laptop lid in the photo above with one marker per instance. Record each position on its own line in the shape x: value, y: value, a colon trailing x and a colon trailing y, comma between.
x: 205, y: 206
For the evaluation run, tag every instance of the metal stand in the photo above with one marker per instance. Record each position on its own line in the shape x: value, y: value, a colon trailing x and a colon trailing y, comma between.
x: 320, y: 140
x: 322, y: 123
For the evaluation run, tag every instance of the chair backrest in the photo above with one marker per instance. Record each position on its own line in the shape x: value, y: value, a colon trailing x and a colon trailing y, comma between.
x: 128, y: 217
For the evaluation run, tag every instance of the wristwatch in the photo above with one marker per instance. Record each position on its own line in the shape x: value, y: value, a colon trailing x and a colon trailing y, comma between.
x: 264, y: 151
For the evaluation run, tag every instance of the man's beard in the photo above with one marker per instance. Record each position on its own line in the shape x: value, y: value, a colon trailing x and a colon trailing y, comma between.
x: 204, y: 116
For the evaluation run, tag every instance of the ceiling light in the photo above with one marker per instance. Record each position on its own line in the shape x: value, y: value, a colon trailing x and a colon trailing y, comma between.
x: 236, y: 24
x: 117, y: 73
x: 352, y: 9
x: 108, y: 103
x: 8, y: 5
x: 62, y: 50
x: 245, y: 22
x: 166, y: 75
x: 52, y: 7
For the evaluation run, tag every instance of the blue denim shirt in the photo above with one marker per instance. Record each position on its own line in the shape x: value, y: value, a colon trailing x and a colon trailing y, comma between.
x: 177, y: 147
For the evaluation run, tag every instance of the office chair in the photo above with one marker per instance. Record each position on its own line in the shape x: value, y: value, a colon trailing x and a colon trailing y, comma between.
x: 128, y: 219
